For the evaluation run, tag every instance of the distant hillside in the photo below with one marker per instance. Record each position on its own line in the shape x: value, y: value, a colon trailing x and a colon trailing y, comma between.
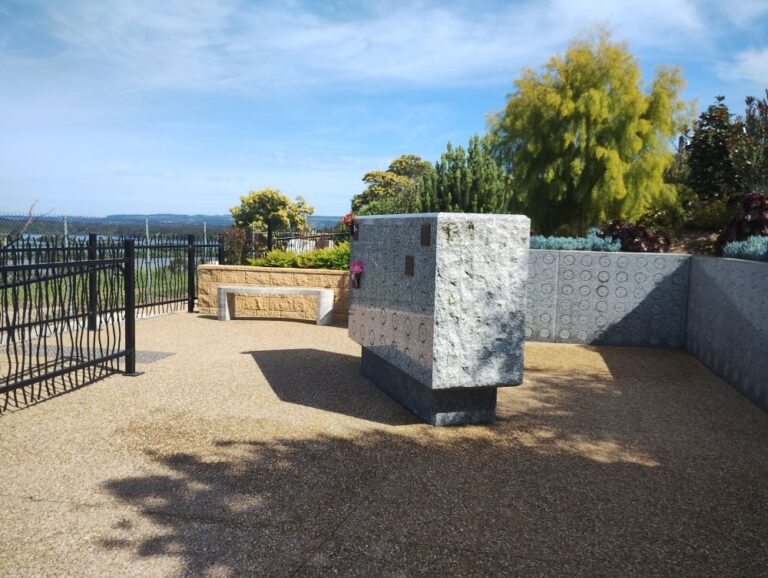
x: 322, y: 222
x: 167, y: 218
x: 315, y: 221
x: 132, y: 224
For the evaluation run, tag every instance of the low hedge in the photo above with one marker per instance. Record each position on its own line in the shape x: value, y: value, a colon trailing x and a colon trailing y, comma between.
x: 755, y: 248
x: 334, y: 258
x: 592, y: 242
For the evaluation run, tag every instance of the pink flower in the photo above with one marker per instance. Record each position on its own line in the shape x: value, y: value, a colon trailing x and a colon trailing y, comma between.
x: 356, y: 267
x: 348, y: 219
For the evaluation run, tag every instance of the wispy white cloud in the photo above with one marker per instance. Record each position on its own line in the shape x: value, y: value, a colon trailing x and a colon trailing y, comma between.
x: 233, y: 46
x: 750, y: 65
x: 203, y: 100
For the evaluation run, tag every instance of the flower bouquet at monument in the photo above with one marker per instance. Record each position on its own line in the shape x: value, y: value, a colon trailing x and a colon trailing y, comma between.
x: 356, y: 272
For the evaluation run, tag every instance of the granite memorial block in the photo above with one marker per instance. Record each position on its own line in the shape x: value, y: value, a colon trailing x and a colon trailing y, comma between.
x: 440, y: 310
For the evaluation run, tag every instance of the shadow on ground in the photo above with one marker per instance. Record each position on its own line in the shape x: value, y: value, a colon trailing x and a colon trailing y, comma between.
x: 328, y: 381
x: 31, y: 395
x: 584, y: 474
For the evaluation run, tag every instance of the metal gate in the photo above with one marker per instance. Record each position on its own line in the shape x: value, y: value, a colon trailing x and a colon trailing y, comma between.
x: 67, y: 318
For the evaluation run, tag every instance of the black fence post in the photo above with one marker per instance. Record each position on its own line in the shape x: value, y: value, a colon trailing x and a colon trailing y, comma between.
x: 191, y: 273
x: 221, y: 250
x: 130, y: 307
x: 269, y: 236
x: 92, y: 283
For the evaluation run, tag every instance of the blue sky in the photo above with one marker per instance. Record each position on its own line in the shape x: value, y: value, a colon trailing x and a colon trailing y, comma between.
x: 179, y: 106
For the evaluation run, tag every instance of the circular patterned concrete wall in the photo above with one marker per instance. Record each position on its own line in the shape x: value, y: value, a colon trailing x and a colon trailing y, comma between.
x: 607, y: 298
x: 728, y: 322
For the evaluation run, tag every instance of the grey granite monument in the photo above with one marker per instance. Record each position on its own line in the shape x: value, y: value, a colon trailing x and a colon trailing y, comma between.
x: 439, y: 310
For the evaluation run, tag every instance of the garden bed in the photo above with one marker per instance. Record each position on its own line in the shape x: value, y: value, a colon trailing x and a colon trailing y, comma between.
x: 294, y: 307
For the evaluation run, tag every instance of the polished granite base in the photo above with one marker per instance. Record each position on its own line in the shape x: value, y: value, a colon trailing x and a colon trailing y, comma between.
x: 437, y: 407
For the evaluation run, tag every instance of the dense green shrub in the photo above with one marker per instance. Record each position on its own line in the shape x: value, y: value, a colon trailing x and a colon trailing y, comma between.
x: 753, y: 221
x: 275, y: 258
x: 754, y: 248
x: 669, y: 214
x: 711, y: 216
x: 635, y: 238
x: 592, y: 242
x: 334, y: 258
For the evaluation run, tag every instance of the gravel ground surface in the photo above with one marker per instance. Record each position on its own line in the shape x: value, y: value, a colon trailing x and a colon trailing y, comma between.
x: 258, y: 449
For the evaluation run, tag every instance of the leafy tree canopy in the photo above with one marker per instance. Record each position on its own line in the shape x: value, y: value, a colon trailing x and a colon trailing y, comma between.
x: 394, y: 190
x: 712, y: 173
x: 270, y: 209
x: 753, y: 154
x: 727, y: 155
x: 582, y: 143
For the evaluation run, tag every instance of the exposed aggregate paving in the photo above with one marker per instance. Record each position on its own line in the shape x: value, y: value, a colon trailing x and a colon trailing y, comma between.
x: 258, y: 449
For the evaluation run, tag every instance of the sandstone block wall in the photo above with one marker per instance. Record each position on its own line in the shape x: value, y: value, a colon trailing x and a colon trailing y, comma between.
x: 288, y: 307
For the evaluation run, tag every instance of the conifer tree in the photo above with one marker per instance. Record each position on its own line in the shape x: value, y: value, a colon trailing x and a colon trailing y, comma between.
x: 465, y: 181
x: 582, y: 143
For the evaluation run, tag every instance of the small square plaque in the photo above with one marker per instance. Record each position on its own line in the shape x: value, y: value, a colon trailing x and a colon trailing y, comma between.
x: 409, y: 265
x: 426, y: 235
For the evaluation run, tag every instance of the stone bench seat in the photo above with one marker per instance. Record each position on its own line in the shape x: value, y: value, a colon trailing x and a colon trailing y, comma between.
x: 324, y: 298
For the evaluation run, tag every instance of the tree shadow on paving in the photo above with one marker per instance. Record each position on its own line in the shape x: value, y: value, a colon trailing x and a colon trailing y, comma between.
x: 328, y: 381
x: 555, y: 487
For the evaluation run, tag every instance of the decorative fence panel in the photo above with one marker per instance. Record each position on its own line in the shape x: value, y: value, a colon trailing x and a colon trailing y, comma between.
x: 60, y: 322
x: 68, y: 306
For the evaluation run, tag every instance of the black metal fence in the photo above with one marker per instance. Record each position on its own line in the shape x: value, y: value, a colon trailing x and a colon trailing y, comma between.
x: 68, y: 306
x: 166, y: 267
x: 301, y: 243
x: 60, y: 325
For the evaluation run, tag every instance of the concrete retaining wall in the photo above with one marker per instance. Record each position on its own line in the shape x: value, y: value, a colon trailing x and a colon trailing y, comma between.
x: 715, y: 308
x: 289, y: 307
x: 607, y: 298
x: 728, y: 322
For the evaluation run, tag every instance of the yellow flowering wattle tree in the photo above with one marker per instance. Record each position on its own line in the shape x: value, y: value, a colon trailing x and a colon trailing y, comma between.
x: 271, y: 210
x: 582, y: 142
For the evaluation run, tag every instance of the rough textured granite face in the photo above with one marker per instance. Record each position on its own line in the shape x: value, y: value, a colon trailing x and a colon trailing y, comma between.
x: 457, y: 321
x: 728, y: 322
x: 607, y: 298
x: 481, y: 274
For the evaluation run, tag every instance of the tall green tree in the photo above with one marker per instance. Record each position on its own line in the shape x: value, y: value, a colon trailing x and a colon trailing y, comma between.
x: 751, y: 152
x: 395, y: 190
x: 271, y: 210
x: 726, y: 157
x: 712, y: 171
x: 582, y: 143
x: 466, y: 181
